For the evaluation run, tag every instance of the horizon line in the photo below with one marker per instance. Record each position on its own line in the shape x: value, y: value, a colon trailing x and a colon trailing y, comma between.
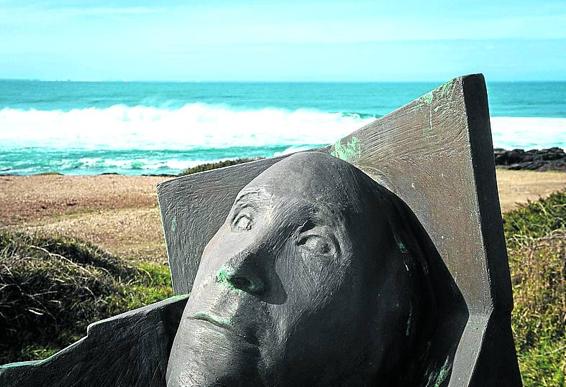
x: 270, y: 81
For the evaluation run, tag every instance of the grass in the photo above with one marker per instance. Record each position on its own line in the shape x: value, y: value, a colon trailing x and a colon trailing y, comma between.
x: 49, y: 173
x: 535, y: 219
x: 215, y: 165
x: 53, y: 287
x: 536, y: 241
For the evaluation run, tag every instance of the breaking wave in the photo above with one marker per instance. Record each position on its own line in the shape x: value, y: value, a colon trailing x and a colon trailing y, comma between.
x: 143, y: 139
x: 193, y: 125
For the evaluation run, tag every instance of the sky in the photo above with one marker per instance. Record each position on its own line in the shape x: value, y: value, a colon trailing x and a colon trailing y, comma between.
x: 308, y: 40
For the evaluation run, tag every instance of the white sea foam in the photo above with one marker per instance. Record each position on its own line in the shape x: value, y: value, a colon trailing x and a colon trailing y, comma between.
x: 145, y: 164
x: 292, y: 149
x: 194, y: 125
x: 528, y: 132
x: 217, y: 126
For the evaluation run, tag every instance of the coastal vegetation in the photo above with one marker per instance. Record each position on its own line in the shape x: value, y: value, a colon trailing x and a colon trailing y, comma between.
x: 215, y: 165
x: 536, y: 241
x: 52, y: 287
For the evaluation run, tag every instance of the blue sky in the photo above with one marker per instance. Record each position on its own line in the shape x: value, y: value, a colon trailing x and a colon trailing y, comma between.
x: 309, y: 40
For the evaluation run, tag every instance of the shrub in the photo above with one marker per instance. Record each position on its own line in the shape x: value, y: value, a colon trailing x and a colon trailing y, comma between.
x: 215, y: 165
x: 536, y: 238
x: 53, y: 287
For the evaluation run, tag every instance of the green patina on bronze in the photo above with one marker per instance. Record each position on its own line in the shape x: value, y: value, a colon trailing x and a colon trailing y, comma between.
x: 442, y: 374
x: 400, y: 244
x: 348, y: 151
x: 223, y: 277
x: 20, y: 364
x: 436, y: 378
x: 213, y: 319
x: 442, y: 92
x: 446, y: 89
x: 427, y: 98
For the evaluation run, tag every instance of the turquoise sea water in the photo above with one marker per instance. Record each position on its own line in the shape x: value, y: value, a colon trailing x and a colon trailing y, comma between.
x: 144, y: 128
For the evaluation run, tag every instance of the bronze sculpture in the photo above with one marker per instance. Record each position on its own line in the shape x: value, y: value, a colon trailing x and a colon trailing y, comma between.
x: 311, y: 280
x: 434, y: 158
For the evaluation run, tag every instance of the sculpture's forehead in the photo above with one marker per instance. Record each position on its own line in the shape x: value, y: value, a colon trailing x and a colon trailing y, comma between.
x: 321, y: 188
x: 311, y: 176
x: 288, y: 204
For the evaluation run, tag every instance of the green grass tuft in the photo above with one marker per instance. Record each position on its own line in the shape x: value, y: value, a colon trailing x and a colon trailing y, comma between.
x: 49, y: 173
x: 535, y: 219
x: 53, y: 287
x: 536, y: 240
x: 215, y: 165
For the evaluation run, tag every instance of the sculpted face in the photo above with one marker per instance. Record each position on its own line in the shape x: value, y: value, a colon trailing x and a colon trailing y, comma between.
x: 305, y: 283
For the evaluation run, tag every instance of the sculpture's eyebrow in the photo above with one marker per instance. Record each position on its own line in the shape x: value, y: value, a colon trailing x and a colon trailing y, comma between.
x: 320, y: 214
x: 247, y: 196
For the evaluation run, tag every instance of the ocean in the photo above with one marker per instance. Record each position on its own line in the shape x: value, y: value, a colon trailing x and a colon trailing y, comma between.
x: 135, y: 128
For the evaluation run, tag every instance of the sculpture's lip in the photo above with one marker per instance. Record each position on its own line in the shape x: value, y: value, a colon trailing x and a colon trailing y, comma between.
x: 214, y: 320
x: 222, y: 323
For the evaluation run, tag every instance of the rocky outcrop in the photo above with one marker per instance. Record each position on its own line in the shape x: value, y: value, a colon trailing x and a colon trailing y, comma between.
x: 552, y: 159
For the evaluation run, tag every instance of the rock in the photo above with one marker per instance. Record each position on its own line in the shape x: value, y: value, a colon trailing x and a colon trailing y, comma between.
x: 551, y: 159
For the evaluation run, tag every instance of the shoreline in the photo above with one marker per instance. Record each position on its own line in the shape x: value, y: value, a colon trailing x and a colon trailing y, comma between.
x: 545, y: 159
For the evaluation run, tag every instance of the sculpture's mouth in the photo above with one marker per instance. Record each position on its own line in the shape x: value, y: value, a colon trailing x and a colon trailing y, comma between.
x: 225, y: 325
x: 214, y: 320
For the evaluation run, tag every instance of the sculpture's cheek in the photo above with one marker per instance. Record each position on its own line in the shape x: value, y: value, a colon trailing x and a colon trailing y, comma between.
x: 306, y: 273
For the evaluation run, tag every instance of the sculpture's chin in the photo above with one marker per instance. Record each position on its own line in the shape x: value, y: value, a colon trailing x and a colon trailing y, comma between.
x: 208, y: 355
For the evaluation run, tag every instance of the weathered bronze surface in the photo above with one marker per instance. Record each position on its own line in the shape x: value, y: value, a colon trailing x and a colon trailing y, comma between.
x: 314, y: 278
x: 283, y: 296
x: 435, y: 154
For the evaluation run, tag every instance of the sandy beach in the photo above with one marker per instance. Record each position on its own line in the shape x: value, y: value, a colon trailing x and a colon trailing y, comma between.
x: 120, y: 213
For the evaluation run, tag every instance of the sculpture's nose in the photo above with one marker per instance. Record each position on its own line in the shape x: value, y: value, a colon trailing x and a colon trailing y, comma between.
x: 243, y: 272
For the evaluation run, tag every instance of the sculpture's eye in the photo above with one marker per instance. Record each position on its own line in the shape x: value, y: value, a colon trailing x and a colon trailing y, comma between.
x: 243, y: 222
x: 317, y: 244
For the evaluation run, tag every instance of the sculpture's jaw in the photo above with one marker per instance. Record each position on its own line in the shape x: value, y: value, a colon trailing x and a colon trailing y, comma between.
x: 211, y: 353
